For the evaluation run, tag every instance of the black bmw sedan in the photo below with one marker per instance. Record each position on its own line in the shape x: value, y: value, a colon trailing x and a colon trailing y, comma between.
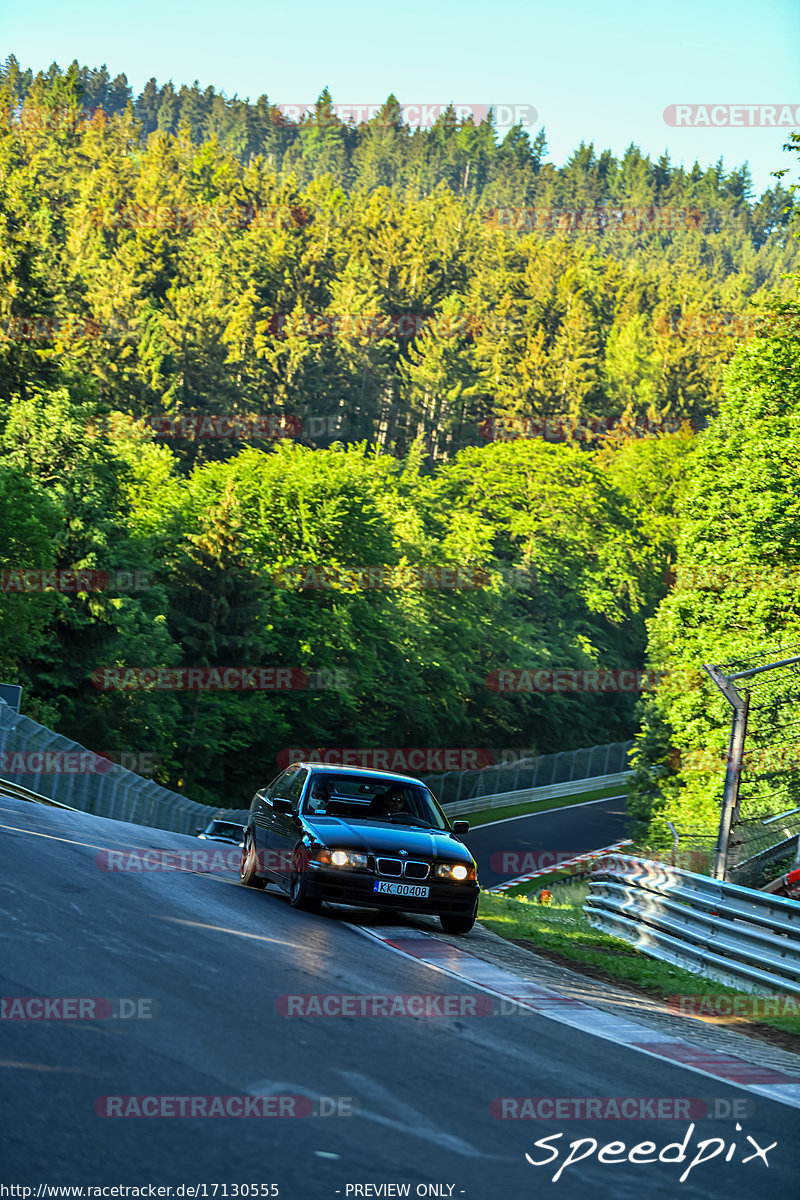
x: 360, y: 837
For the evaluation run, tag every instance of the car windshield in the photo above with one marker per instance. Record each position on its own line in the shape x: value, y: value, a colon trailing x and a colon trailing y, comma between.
x: 377, y: 799
x: 222, y: 829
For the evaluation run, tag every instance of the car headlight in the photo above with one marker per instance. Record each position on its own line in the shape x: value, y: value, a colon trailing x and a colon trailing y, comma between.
x: 342, y: 858
x: 454, y: 871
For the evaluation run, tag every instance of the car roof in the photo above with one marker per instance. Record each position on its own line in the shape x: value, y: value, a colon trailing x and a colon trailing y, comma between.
x: 366, y: 772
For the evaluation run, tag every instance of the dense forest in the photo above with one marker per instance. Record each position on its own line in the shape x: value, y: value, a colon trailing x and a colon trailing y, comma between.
x: 244, y: 360
x: 365, y: 282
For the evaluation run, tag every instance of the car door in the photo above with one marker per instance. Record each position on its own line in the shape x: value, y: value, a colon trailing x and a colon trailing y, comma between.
x: 261, y: 821
x: 285, y: 827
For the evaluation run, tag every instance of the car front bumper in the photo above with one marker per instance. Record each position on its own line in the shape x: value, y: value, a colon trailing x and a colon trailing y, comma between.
x: 340, y: 886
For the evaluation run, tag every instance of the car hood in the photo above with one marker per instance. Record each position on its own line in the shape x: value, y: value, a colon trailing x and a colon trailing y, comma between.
x: 344, y: 833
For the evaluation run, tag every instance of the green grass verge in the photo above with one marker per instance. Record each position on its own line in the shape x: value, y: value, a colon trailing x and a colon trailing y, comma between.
x: 562, y: 929
x: 487, y: 815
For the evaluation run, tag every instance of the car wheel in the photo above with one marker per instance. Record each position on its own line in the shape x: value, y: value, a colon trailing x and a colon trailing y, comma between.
x: 298, y: 885
x: 247, y: 868
x: 457, y: 924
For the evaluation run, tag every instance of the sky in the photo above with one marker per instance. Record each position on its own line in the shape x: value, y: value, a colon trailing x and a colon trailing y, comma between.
x: 602, y: 72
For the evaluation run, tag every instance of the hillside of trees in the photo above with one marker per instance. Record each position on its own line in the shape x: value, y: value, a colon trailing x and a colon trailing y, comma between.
x: 734, y: 600
x: 187, y: 272
x: 237, y: 352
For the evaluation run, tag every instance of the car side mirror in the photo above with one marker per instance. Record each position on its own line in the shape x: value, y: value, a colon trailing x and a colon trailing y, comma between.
x: 460, y: 827
x: 281, y: 804
x: 198, y: 831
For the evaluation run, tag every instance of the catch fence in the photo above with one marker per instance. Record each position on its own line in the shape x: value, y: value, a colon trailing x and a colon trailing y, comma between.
x: 524, y: 774
x: 49, y: 764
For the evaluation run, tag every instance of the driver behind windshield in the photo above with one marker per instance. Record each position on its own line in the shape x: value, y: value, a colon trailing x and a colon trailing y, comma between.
x: 389, y: 803
x: 320, y: 794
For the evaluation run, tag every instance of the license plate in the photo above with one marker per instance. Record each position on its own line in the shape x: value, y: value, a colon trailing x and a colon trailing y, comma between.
x: 401, y: 889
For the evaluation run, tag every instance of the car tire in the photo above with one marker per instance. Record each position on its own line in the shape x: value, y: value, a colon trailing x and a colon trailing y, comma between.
x: 249, y: 864
x: 457, y: 924
x: 298, y: 885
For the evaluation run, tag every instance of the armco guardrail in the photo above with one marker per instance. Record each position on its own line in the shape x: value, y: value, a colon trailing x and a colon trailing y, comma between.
x: 747, y: 939
x: 528, y: 795
x: 20, y: 793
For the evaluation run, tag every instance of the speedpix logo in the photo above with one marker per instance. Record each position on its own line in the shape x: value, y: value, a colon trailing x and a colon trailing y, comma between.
x: 615, y: 1153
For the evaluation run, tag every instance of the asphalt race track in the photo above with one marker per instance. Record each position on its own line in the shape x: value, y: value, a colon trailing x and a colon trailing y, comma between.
x: 210, y: 960
x: 523, y: 844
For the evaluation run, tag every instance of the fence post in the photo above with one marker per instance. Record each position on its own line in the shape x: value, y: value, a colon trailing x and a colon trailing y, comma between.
x: 733, y: 771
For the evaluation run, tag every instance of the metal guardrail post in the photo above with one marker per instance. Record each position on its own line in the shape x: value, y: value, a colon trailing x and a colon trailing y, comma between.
x: 733, y: 772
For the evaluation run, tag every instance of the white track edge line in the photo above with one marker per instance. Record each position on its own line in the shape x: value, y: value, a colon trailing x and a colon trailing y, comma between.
x: 768, y: 1091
